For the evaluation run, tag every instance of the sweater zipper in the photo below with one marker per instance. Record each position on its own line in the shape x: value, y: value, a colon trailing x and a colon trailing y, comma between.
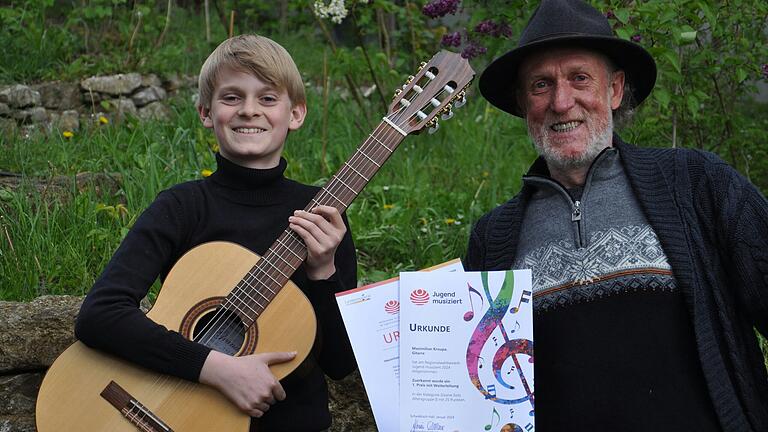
x: 576, y: 217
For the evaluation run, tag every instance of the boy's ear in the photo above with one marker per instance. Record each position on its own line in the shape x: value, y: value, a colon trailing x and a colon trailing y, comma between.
x: 205, y: 116
x: 298, y: 113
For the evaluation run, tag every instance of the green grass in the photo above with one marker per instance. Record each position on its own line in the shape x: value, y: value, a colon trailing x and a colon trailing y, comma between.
x: 416, y: 212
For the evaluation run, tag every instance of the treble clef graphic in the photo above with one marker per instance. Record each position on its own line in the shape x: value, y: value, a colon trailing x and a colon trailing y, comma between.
x: 510, y: 348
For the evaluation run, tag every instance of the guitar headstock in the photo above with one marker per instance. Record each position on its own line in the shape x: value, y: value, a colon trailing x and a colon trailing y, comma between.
x: 439, y: 85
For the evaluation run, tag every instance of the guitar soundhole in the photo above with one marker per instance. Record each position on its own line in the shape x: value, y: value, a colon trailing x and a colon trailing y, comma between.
x: 221, y: 330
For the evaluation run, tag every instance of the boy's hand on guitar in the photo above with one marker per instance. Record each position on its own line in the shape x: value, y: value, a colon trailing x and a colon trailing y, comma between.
x: 246, y: 381
x: 322, y: 231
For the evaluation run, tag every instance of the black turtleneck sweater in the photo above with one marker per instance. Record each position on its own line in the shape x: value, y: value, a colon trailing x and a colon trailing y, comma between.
x: 236, y: 204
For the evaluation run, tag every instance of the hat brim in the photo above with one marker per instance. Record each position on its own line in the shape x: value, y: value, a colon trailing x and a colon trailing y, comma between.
x: 498, y: 83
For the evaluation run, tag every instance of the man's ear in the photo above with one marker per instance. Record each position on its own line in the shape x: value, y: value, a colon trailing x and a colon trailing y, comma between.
x: 298, y: 113
x: 205, y: 116
x: 617, y: 87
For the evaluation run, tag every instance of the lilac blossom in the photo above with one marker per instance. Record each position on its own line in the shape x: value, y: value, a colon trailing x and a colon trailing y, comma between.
x: 490, y: 28
x: 637, y: 38
x: 472, y: 50
x: 451, y: 39
x: 438, y: 8
x: 610, y: 14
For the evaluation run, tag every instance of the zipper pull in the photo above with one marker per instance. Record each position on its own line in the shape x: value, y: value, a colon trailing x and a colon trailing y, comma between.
x: 576, y: 214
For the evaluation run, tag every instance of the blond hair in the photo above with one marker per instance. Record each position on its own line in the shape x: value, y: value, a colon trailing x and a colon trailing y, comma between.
x: 258, y: 55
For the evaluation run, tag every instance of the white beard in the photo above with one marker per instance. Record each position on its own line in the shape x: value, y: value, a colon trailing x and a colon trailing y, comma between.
x: 600, y: 137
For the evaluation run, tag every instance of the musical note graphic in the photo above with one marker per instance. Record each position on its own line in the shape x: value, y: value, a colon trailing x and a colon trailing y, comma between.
x: 508, y: 349
x: 493, y: 423
x: 517, y: 327
x: 491, y: 391
x: 525, y: 298
x: 471, y: 313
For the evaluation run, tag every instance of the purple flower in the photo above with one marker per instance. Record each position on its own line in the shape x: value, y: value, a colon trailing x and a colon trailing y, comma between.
x: 472, y: 50
x: 451, y: 39
x: 438, y: 8
x: 490, y: 28
x: 637, y: 38
x: 610, y: 14
x: 765, y: 70
x: 485, y: 27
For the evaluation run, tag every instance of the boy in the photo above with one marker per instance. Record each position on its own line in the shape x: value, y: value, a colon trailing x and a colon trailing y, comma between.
x: 251, y: 95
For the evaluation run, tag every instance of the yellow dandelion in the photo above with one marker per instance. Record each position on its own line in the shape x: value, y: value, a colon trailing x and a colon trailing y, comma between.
x: 486, y: 174
x: 388, y: 206
x: 103, y: 120
x: 68, y: 134
x: 206, y: 172
x: 450, y: 221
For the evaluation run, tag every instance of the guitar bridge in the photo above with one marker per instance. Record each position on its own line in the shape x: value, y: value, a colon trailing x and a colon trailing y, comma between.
x: 133, y: 410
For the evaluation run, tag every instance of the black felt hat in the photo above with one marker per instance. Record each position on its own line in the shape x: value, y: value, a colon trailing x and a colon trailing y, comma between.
x: 566, y: 23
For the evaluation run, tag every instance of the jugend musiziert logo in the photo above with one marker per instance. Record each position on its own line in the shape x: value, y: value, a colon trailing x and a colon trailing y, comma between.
x: 419, y: 297
x: 392, y: 307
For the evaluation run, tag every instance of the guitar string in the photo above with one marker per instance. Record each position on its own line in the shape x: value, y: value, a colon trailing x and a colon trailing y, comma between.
x: 297, y: 242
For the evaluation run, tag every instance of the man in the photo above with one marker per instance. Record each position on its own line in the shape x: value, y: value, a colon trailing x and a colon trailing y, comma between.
x: 649, y: 265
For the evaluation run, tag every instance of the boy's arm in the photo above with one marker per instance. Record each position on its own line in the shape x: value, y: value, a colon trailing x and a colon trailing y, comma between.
x: 110, y: 318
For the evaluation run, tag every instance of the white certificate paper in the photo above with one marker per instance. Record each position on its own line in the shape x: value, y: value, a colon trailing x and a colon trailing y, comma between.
x: 466, y: 352
x: 371, y: 316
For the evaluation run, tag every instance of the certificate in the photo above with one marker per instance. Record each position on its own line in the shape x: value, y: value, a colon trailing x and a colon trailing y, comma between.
x: 466, y: 352
x: 371, y: 316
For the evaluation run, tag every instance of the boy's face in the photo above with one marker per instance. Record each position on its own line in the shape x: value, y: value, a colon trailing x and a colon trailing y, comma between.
x: 251, y: 119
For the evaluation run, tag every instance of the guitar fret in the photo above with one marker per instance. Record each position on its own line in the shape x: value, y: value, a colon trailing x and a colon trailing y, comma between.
x: 285, y: 261
x: 276, y: 268
x: 343, y: 183
x: 356, y: 171
x: 246, y: 304
x: 381, y: 143
x: 257, y: 290
x: 289, y: 249
x: 368, y: 157
x: 264, y: 285
x: 334, y: 196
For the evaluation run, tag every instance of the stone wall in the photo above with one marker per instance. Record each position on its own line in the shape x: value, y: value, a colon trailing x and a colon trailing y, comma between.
x: 66, y: 105
x: 35, y: 333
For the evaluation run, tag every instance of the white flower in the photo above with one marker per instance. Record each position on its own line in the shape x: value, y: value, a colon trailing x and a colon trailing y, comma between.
x: 336, y: 10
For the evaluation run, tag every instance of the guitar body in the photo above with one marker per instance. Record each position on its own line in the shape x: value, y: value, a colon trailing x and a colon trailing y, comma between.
x: 70, y: 396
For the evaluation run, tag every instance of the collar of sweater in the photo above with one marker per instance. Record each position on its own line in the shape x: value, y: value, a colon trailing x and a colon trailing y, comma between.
x: 250, y: 185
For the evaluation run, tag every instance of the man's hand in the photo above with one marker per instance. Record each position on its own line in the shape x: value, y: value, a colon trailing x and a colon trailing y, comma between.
x: 322, y: 231
x: 246, y: 381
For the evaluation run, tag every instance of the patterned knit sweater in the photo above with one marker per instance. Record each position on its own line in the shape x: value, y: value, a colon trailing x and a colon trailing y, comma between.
x: 713, y: 227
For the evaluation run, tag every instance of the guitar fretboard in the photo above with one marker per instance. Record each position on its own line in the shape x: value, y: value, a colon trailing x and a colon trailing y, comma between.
x: 264, y: 280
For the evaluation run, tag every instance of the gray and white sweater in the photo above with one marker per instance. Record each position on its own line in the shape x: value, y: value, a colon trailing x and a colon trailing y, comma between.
x: 712, y: 225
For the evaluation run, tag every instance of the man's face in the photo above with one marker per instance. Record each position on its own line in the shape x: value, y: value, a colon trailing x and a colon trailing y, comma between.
x: 568, y: 95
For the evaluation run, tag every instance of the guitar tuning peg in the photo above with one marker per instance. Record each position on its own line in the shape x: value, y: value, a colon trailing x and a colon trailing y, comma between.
x: 421, y: 65
x: 410, y: 78
x: 397, y: 93
x: 460, y: 100
x: 447, y: 113
x: 434, y: 126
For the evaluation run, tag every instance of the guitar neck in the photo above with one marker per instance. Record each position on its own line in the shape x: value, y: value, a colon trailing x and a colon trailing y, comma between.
x: 262, y: 283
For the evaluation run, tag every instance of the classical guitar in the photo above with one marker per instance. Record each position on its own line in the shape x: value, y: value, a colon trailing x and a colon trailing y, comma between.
x: 230, y: 299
